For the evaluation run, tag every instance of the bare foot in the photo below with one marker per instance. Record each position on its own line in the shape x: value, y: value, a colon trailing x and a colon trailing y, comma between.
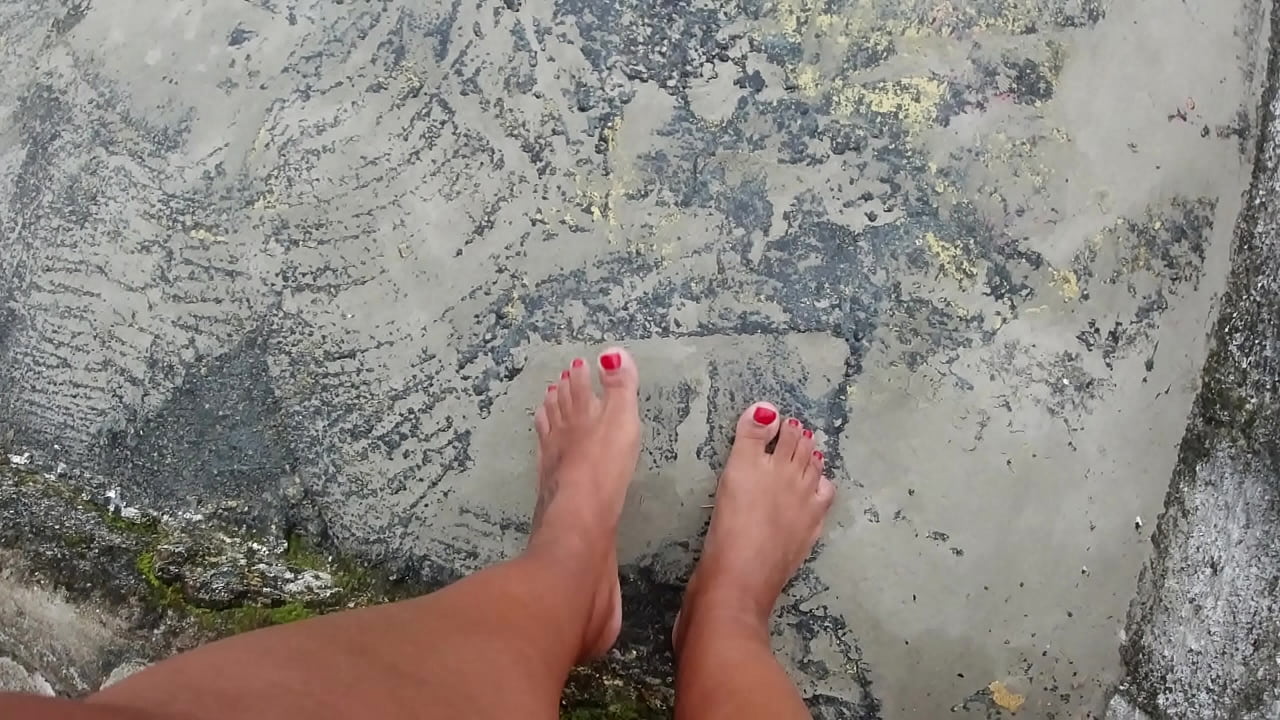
x: 588, y: 446
x: 768, y: 515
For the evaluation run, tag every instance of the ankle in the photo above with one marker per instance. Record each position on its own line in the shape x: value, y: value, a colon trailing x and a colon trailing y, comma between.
x: 722, y: 611
x: 729, y: 592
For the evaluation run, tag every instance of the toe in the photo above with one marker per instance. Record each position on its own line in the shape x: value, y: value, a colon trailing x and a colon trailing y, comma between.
x: 813, y: 478
x: 620, y: 379
x: 579, y: 377
x: 814, y: 464
x: 788, y: 439
x: 756, y: 427
x: 551, y: 406
x: 541, y: 423
x: 565, y: 396
x: 803, y: 456
x: 826, y: 493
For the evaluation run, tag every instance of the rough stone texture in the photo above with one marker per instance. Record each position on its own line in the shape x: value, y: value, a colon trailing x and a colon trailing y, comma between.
x: 1121, y: 709
x: 302, y: 267
x: 1204, y: 630
x: 16, y: 678
x: 50, y: 645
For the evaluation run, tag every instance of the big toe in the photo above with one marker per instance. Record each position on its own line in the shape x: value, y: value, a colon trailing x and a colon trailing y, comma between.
x: 620, y: 379
x: 757, y: 425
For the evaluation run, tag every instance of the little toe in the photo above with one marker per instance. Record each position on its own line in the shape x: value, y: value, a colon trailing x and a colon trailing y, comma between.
x: 541, y: 423
x: 551, y: 406
x: 756, y: 427
x: 620, y: 379
x: 813, y: 470
x: 826, y: 493
x: 788, y: 439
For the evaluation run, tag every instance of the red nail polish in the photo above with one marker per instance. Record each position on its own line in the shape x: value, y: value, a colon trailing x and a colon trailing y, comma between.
x: 551, y: 388
x: 611, y: 361
x: 564, y: 375
x: 793, y: 422
x: 808, y: 433
x: 764, y: 415
x: 817, y: 455
x: 579, y: 362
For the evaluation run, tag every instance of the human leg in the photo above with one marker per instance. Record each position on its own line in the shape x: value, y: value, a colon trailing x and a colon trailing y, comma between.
x: 498, y: 644
x: 768, y: 515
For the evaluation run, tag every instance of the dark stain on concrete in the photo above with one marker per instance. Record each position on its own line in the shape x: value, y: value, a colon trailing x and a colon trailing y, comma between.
x: 41, y: 117
x: 75, y: 12
x: 658, y: 43
x: 239, y: 36
x: 219, y: 436
x: 8, y: 328
x: 663, y: 411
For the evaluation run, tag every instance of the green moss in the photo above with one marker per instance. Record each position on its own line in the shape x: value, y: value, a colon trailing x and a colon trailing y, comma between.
x: 620, y: 711
x: 146, y: 564
x: 250, y: 617
x: 148, y: 527
x: 300, y: 552
x: 162, y: 594
x: 602, y: 692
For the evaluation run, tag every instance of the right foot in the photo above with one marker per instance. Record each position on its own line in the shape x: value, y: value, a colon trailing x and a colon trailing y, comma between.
x: 768, y: 515
x: 588, y: 446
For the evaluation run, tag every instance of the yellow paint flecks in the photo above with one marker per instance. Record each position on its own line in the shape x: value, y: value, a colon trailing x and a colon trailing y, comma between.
x: 951, y: 258
x: 268, y: 200
x: 807, y: 80
x: 912, y: 100
x: 514, y: 309
x: 1006, y: 698
x: 610, y: 134
x: 1067, y: 283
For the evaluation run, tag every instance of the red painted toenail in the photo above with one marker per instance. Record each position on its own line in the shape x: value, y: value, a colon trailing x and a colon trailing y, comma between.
x: 611, y: 361
x: 793, y: 422
x: 808, y: 433
x: 551, y: 388
x: 764, y: 415
x: 579, y: 362
x: 564, y: 375
x: 817, y: 455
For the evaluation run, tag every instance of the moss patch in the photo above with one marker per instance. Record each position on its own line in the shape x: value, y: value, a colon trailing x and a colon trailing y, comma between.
x: 603, y: 691
x: 301, y: 553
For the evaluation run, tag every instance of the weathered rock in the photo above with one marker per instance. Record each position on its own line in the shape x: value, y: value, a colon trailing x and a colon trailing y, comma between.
x: 1204, y: 630
x: 123, y: 671
x: 15, y: 678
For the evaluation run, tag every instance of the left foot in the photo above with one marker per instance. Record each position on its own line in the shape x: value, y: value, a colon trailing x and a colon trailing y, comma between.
x: 588, y: 445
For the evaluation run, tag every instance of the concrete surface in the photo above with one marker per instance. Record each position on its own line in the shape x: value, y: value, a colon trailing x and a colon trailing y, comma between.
x: 318, y: 259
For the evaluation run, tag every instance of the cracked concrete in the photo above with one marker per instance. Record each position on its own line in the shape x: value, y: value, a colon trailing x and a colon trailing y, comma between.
x: 321, y: 257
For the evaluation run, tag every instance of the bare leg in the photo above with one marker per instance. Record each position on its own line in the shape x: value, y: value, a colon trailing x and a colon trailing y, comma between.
x: 498, y: 644
x: 768, y: 515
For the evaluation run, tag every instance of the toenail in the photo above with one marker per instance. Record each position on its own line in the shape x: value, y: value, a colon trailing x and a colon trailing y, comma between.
x: 551, y: 388
x: 611, y: 361
x: 764, y: 415
x: 817, y: 455
x: 579, y: 362
x: 808, y: 433
x: 793, y: 422
x: 564, y: 375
